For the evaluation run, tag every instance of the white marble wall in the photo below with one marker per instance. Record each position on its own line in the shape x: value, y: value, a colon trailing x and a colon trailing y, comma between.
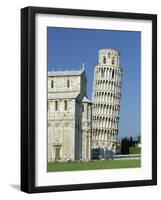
x: 106, y: 99
x: 66, y: 132
x: 86, y: 131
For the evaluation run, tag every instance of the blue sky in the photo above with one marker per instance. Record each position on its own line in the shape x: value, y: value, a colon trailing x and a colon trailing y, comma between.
x: 68, y: 48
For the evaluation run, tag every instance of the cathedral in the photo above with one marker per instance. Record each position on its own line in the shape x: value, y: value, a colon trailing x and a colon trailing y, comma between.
x: 77, y: 126
x: 69, y: 116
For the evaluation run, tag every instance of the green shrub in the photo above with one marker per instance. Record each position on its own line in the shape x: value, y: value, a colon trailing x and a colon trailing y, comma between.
x: 135, y: 150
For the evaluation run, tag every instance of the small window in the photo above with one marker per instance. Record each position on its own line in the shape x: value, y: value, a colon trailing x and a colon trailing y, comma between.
x: 104, y: 60
x: 52, y: 83
x: 113, y: 60
x: 65, y: 105
x: 82, y: 108
x: 56, y: 105
x: 87, y: 112
x: 109, y: 55
x: 68, y: 83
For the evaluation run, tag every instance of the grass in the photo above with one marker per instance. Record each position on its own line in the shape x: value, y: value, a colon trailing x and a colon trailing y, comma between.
x: 93, y: 165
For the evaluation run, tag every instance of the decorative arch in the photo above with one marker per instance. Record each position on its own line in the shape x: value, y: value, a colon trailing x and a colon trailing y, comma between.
x: 104, y: 59
x: 57, y: 125
x: 67, y: 125
x: 113, y: 73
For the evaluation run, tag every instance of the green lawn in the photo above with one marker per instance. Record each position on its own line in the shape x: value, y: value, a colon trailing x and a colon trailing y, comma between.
x: 111, y: 164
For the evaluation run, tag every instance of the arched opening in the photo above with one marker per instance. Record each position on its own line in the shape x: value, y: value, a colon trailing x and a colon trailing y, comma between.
x: 56, y: 105
x: 102, y: 73
x: 112, y: 73
x: 113, y: 60
x: 104, y: 60
x: 65, y: 105
x: 52, y: 83
x: 68, y: 83
x: 57, y: 152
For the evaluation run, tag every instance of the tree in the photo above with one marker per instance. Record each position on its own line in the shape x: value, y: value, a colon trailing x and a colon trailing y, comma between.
x: 126, y: 143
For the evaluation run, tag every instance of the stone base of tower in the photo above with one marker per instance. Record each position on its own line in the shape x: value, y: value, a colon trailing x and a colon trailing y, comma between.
x: 103, y: 150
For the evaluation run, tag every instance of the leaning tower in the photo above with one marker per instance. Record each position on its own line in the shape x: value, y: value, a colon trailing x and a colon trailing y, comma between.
x: 106, y: 100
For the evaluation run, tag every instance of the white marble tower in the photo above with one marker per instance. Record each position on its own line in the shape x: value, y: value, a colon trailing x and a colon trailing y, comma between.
x: 106, y: 100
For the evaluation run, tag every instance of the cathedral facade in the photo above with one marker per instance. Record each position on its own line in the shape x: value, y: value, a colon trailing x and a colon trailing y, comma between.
x: 69, y: 116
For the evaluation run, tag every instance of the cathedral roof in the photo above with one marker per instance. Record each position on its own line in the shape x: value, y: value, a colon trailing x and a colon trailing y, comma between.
x: 66, y: 73
x: 62, y: 95
x: 86, y: 100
